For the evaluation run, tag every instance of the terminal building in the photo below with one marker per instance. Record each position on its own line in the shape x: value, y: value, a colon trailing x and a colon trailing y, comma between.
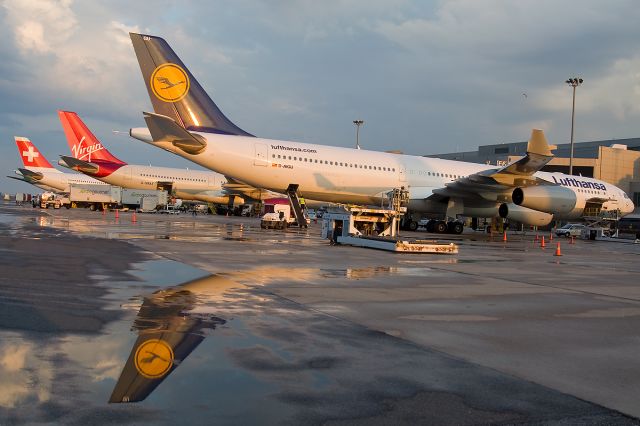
x: 615, y: 161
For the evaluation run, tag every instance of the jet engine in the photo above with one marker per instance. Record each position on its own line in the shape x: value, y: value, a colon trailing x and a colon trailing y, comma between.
x: 524, y: 215
x: 545, y: 198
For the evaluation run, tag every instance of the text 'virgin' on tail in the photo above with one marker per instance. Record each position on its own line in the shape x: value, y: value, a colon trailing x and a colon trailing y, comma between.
x: 82, y: 143
x: 31, y: 156
x: 173, y: 90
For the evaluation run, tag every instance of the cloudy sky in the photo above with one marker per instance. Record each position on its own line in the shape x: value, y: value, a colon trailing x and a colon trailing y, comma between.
x: 427, y: 77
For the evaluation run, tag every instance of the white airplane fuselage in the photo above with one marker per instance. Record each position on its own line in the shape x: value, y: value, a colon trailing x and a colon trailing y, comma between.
x: 186, y: 184
x: 346, y: 175
x: 60, y: 181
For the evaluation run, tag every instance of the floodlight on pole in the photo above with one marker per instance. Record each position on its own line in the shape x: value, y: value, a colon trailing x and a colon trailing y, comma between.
x: 358, y: 123
x: 573, y: 82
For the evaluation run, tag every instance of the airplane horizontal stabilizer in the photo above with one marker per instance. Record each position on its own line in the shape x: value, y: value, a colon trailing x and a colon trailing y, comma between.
x: 23, y: 179
x: 165, y: 129
x: 30, y: 175
x: 78, y: 165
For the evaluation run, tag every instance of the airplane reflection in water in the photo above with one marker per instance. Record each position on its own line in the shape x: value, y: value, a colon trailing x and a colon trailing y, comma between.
x: 171, y: 323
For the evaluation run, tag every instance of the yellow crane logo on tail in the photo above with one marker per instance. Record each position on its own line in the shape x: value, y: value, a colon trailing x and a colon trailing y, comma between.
x: 169, y: 82
x: 154, y: 358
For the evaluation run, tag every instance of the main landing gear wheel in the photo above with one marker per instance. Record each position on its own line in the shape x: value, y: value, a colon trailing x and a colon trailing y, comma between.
x: 431, y: 226
x: 455, y: 228
x: 413, y: 225
x: 441, y: 227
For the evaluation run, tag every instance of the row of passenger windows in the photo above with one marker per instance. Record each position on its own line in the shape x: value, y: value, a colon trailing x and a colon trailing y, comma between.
x: 589, y: 191
x: 172, y: 178
x: 334, y: 163
x: 445, y: 175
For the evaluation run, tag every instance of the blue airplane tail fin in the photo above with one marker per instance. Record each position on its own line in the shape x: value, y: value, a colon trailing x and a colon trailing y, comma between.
x: 173, y: 90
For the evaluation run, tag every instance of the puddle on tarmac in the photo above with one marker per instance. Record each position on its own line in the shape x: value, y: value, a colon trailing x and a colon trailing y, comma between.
x: 191, y: 346
x: 166, y: 329
x: 188, y: 231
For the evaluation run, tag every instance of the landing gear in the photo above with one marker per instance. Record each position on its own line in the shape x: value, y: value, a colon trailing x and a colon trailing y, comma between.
x: 442, y: 227
x: 431, y: 226
x: 455, y: 227
x: 412, y: 226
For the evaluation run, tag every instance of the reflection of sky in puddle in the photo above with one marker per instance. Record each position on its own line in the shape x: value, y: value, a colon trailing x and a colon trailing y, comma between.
x: 359, y: 273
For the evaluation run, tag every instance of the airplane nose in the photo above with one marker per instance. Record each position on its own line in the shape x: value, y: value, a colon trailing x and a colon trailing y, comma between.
x: 629, y: 207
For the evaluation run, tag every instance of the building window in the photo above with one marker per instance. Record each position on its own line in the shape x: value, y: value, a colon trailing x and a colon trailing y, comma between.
x: 501, y: 150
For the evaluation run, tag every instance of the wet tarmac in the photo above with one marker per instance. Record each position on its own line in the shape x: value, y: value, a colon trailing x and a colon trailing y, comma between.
x: 211, y: 320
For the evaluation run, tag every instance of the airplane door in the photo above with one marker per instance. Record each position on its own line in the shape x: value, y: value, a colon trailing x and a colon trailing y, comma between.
x: 261, y: 155
x: 403, y: 173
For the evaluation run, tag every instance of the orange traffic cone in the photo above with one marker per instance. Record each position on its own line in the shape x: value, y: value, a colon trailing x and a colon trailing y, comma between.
x: 542, y: 244
x: 504, y: 237
x: 550, y: 236
x: 558, y: 253
x: 133, y: 217
x: 117, y: 214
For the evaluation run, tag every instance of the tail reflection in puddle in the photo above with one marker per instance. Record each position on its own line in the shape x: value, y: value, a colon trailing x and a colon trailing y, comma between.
x: 171, y: 323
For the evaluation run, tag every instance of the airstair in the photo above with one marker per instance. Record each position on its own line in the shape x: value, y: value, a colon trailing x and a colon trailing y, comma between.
x: 294, y: 200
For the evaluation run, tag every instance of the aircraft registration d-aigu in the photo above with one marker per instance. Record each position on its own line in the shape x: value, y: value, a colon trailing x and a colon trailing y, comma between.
x: 40, y: 173
x: 188, y: 123
x: 90, y: 157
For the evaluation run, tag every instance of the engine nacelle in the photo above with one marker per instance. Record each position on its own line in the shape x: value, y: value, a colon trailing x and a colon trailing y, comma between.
x: 545, y: 198
x: 524, y: 215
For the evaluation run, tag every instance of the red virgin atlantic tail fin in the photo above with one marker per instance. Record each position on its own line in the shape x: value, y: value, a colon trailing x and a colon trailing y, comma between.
x: 83, y: 144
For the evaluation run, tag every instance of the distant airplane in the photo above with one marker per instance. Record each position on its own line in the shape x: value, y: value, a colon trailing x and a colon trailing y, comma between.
x: 38, y: 171
x: 90, y: 157
x: 189, y: 124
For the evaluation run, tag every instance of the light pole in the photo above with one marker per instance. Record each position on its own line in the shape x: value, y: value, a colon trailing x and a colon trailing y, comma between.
x: 573, y: 82
x: 358, y: 123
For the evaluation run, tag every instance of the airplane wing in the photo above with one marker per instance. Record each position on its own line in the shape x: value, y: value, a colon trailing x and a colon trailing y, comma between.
x: 78, y: 165
x: 165, y: 129
x: 494, y: 184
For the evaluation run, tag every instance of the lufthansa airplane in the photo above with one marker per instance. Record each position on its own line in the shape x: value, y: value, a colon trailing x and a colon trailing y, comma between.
x: 90, y: 157
x: 187, y: 122
x: 38, y: 171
